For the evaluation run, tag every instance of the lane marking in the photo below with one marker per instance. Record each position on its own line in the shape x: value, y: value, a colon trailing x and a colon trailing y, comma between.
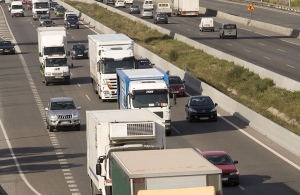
x: 281, y: 50
x: 261, y: 43
x: 189, y: 29
x: 178, y: 25
x: 260, y: 143
x: 72, y: 37
x: 200, y: 33
x: 229, y: 44
x: 16, y: 160
x: 78, y: 84
x: 88, y: 97
x: 290, y: 66
x: 175, y: 129
x: 267, y: 58
x: 290, y: 42
x: 246, y: 50
x: 241, y: 187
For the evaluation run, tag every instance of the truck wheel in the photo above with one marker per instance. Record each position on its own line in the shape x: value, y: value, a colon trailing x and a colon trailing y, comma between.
x: 46, y: 83
x: 51, y: 128
x: 168, y: 133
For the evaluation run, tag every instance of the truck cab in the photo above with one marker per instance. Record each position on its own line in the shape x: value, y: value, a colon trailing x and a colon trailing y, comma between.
x: 17, y: 9
x: 40, y: 7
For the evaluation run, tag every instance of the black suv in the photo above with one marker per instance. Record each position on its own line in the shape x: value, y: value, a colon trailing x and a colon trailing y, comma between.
x: 72, y: 22
x: 142, y: 63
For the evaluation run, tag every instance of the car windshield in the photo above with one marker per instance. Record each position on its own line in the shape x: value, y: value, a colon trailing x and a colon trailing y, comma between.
x: 5, y: 43
x: 161, y: 15
x: 175, y: 80
x: 201, y: 101
x: 60, y: 9
x: 54, y: 50
x: 66, y: 105
x: 229, y: 26
x: 79, y: 47
x: 72, y: 18
x: 48, y: 22
x: 219, y: 160
x: 134, y: 6
x: 110, y: 67
x: 17, y: 7
x: 56, y: 62
x: 144, y: 62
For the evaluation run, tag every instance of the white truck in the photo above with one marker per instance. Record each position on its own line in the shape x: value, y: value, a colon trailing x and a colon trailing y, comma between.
x: 109, y: 52
x: 52, y: 44
x: 16, y: 9
x: 164, y: 8
x: 172, y: 171
x: 40, y: 7
x: 145, y: 88
x: 186, y: 7
x: 110, y: 131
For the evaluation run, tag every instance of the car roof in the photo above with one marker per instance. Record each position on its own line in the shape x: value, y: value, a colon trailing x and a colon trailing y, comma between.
x: 78, y: 44
x: 213, y: 153
x: 195, y: 96
x: 59, y: 99
x: 141, y: 59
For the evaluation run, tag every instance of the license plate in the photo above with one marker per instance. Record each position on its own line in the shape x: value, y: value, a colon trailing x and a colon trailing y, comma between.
x: 7, y: 51
x: 80, y: 55
x: 225, y: 179
x: 174, y: 91
x: 65, y: 122
x: 73, y: 25
x: 204, y: 118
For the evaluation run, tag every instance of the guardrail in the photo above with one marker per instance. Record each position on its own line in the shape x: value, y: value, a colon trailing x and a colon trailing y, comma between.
x: 270, y: 5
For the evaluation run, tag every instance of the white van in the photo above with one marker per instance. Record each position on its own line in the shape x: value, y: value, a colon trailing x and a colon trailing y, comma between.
x: 16, y: 9
x: 148, y: 4
x: 207, y: 24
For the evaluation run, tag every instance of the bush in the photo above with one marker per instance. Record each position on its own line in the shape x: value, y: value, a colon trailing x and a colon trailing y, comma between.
x: 235, y: 73
x: 173, y: 55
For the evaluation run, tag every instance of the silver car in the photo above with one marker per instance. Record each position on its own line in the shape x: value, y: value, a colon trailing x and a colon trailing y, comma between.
x: 62, y: 113
x: 147, y: 13
x: 228, y: 30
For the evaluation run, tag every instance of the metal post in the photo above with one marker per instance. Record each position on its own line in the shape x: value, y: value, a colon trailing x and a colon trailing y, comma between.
x: 174, y: 98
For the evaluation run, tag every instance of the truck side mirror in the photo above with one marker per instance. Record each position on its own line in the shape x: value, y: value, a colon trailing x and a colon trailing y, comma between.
x: 40, y: 54
x: 99, y: 52
x: 98, y: 169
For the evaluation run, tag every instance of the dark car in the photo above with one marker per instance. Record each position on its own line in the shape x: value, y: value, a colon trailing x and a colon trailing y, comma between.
x: 142, y: 63
x: 160, y: 18
x: 230, y: 174
x: 72, y: 22
x: 79, y: 51
x: 48, y: 23
x: 201, y: 108
x: 7, y: 47
x: 53, y: 5
x: 59, y: 11
x: 29, y: 5
x: 134, y: 9
x: 176, y: 85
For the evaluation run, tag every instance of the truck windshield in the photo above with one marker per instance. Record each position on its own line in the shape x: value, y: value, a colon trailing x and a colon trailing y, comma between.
x: 56, y: 62
x: 41, y: 5
x: 110, y: 67
x: 54, y: 50
x: 150, y: 100
x: 17, y: 7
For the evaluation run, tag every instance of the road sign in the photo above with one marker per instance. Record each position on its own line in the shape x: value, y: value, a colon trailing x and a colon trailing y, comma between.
x: 250, y: 7
x: 248, y: 16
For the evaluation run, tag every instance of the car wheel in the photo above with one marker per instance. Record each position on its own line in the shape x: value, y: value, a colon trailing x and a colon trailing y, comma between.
x: 166, y: 22
x: 77, y: 127
x: 78, y: 27
x: 168, y: 133
x: 46, y: 83
x: 51, y: 128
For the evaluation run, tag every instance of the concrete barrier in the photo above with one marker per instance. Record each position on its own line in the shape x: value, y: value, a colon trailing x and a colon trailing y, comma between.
x: 268, y: 128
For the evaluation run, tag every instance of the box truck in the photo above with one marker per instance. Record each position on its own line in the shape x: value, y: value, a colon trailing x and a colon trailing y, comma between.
x: 145, y: 88
x: 108, y: 52
x: 109, y: 131
x: 52, y: 43
x: 40, y: 7
x: 186, y: 7
x: 170, y: 170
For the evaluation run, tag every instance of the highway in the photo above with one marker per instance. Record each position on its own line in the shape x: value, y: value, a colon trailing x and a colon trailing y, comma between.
x: 55, y: 163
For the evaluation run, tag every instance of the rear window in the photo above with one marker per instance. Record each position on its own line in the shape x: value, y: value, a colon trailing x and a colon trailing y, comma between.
x: 229, y: 26
x: 161, y: 15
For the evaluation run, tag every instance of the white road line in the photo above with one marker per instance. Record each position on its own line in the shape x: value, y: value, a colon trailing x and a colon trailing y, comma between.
x: 188, y: 29
x: 245, y: 29
x: 290, y: 66
x: 267, y: 58
x: 246, y: 50
x: 262, y: 34
x: 229, y: 44
x: 178, y: 25
x: 71, y: 74
x: 72, y: 37
x: 241, y: 187
x: 281, y: 50
x: 290, y: 42
x: 16, y: 160
x: 200, y: 33
x: 87, y: 97
x: 198, y: 150
x: 175, y: 129
x: 78, y: 84
x: 260, y: 143
x: 261, y: 43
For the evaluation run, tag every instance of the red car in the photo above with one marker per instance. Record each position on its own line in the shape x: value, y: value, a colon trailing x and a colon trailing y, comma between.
x: 230, y: 174
x: 29, y: 5
x: 176, y: 85
x: 24, y: 1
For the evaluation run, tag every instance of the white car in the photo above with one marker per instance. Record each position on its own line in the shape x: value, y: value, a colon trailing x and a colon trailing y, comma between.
x: 120, y: 3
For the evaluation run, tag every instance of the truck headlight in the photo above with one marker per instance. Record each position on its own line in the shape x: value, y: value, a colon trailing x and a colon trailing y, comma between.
x: 214, y: 109
x: 48, y: 73
x: 76, y: 115
x: 105, y: 92
x: 86, y: 51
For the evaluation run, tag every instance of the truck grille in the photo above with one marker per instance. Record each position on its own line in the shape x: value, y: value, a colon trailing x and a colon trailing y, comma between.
x: 112, y: 83
x: 57, y: 74
x: 64, y: 116
x: 41, y: 12
x: 140, y: 129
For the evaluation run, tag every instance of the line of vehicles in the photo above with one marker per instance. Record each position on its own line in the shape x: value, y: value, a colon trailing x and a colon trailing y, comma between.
x: 124, y: 145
